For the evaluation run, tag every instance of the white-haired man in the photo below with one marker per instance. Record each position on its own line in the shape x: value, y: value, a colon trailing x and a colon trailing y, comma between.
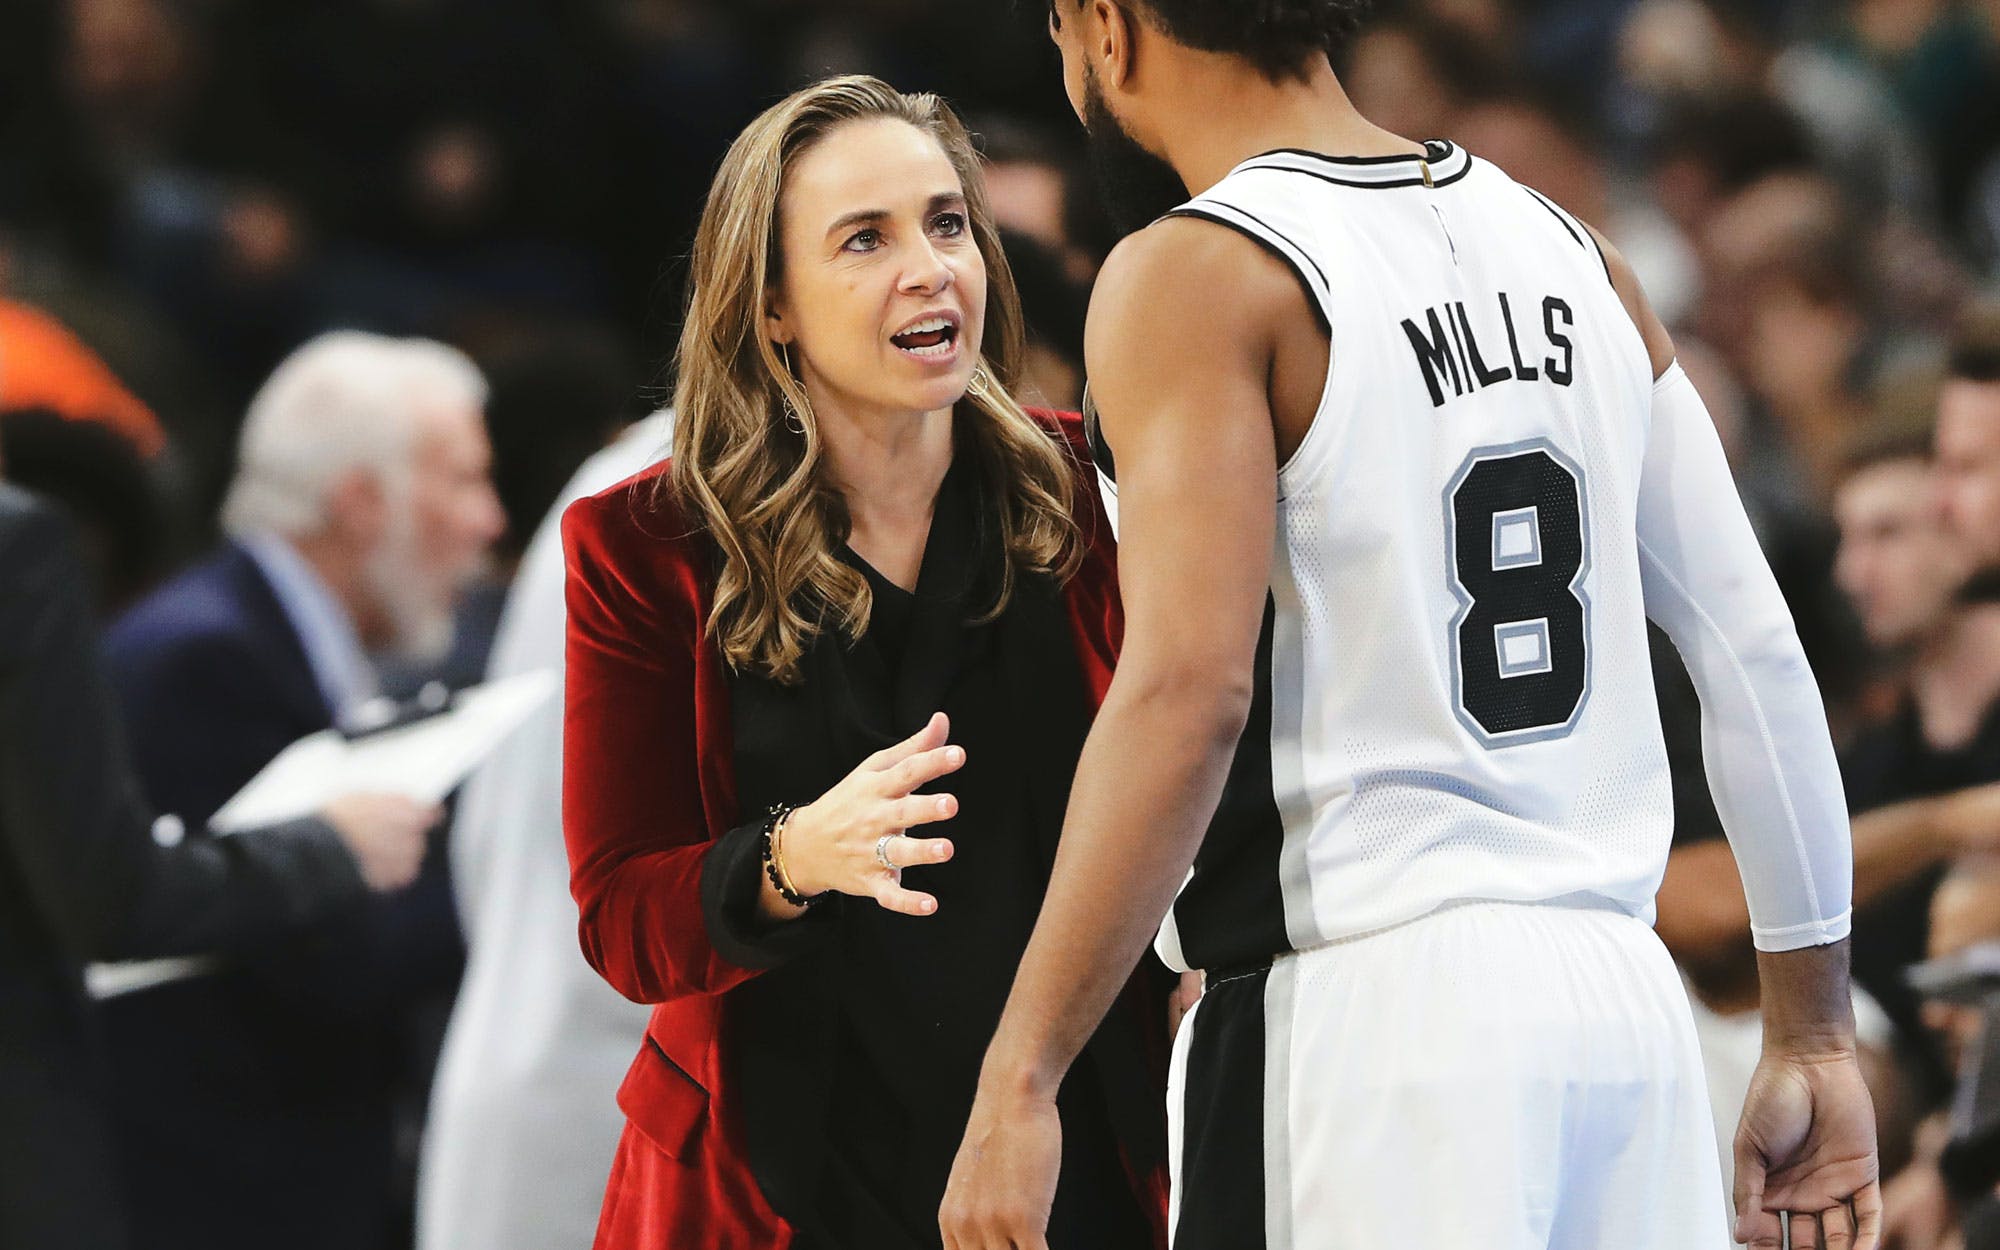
x: 362, y: 504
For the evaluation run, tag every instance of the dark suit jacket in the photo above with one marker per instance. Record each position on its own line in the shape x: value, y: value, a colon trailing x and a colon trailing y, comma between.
x: 648, y: 791
x: 255, y: 1108
x: 82, y: 879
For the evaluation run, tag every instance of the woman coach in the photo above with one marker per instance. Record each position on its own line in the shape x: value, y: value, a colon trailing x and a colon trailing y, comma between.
x: 828, y: 676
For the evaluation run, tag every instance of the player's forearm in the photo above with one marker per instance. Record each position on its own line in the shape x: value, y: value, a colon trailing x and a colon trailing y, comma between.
x: 1894, y: 844
x: 1808, y: 1005
x: 1146, y: 785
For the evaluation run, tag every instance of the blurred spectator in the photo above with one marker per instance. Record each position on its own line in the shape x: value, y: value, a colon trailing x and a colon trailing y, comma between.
x: 560, y: 391
x: 1041, y: 191
x: 1541, y: 149
x: 1411, y: 74
x: 1784, y: 297
x: 1922, y: 1208
x: 1968, y: 443
x: 1028, y: 183
x: 361, y: 506
x: 1936, y: 60
x: 1709, y: 54
x: 1054, y: 303
x: 85, y: 879
x: 48, y: 367
x: 1548, y: 151
x: 98, y: 477
x: 1905, y: 574
x: 1707, y: 150
x: 191, y: 188
x: 147, y: 355
x: 1917, y: 1210
x: 523, y: 1117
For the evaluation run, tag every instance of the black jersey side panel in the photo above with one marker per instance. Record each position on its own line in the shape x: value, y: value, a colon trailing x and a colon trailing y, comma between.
x: 1222, y: 1162
x: 1231, y: 913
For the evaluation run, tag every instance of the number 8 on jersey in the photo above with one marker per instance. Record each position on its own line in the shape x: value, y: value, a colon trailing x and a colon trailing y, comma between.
x: 1519, y: 550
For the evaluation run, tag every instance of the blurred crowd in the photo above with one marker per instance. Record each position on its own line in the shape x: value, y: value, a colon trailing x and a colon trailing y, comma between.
x: 191, y: 189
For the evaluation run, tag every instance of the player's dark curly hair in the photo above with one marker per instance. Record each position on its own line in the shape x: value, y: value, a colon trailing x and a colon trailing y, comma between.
x: 1277, y: 36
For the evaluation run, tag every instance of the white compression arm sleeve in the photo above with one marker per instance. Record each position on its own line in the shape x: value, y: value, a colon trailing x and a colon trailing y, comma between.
x: 1770, y: 758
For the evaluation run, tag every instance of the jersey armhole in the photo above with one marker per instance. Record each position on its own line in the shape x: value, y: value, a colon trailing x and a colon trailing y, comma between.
x: 1576, y: 230
x: 1093, y: 433
x: 1277, y: 245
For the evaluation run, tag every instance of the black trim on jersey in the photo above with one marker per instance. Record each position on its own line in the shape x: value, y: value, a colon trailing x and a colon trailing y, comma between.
x: 1222, y: 1129
x: 1436, y: 151
x: 1093, y: 433
x: 1370, y: 186
x: 1560, y: 219
x: 1195, y: 210
x: 1270, y: 245
x: 1448, y: 152
x: 1231, y: 912
x: 1565, y: 219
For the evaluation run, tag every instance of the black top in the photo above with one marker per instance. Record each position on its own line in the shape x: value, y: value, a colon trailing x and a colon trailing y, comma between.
x: 81, y: 878
x: 913, y: 1001
x: 304, y: 1040
x: 1891, y: 763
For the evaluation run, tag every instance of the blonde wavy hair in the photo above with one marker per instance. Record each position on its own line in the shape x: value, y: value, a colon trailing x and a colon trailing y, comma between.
x: 752, y: 481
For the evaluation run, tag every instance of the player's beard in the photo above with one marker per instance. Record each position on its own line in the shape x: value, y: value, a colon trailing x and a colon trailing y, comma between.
x: 1137, y: 187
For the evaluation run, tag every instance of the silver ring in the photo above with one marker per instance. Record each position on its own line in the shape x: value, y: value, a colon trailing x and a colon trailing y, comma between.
x: 882, y: 850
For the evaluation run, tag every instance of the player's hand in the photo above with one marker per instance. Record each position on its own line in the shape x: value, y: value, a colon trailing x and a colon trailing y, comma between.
x: 1806, y: 1147
x: 830, y: 844
x: 386, y: 835
x: 1004, y: 1179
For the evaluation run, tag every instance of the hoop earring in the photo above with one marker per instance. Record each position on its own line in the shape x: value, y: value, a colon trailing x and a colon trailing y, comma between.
x: 795, y: 421
x: 979, y: 386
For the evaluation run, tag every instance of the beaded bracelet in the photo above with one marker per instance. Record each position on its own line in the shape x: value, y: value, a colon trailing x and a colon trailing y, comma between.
x: 774, y: 864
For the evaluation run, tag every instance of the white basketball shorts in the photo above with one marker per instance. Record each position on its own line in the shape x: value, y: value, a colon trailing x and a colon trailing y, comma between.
x: 1494, y: 1075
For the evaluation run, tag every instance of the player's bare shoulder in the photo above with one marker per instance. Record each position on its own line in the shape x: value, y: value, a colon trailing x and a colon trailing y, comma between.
x: 1198, y: 316
x: 1192, y: 293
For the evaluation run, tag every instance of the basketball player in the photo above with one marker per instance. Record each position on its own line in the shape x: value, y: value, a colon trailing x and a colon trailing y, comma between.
x: 1405, y: 464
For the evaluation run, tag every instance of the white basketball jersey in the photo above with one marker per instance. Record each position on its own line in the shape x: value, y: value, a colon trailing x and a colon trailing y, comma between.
x: 1455, y: 699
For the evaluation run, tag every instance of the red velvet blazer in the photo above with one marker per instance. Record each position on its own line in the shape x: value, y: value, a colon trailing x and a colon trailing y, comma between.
x: 647, y: 787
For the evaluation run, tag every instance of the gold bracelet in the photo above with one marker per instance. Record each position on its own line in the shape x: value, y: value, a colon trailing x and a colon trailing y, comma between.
x: 786, y: 889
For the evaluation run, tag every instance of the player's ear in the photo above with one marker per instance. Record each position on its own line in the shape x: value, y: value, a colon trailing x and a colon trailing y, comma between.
x: 1112, y: 45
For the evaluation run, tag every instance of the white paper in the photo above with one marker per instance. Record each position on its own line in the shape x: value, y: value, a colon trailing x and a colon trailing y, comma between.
x: 425, y: 761
x: 104, y: 981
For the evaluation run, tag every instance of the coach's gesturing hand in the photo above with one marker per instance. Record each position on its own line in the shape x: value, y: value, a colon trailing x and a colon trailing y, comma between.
x: 852, y: 839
